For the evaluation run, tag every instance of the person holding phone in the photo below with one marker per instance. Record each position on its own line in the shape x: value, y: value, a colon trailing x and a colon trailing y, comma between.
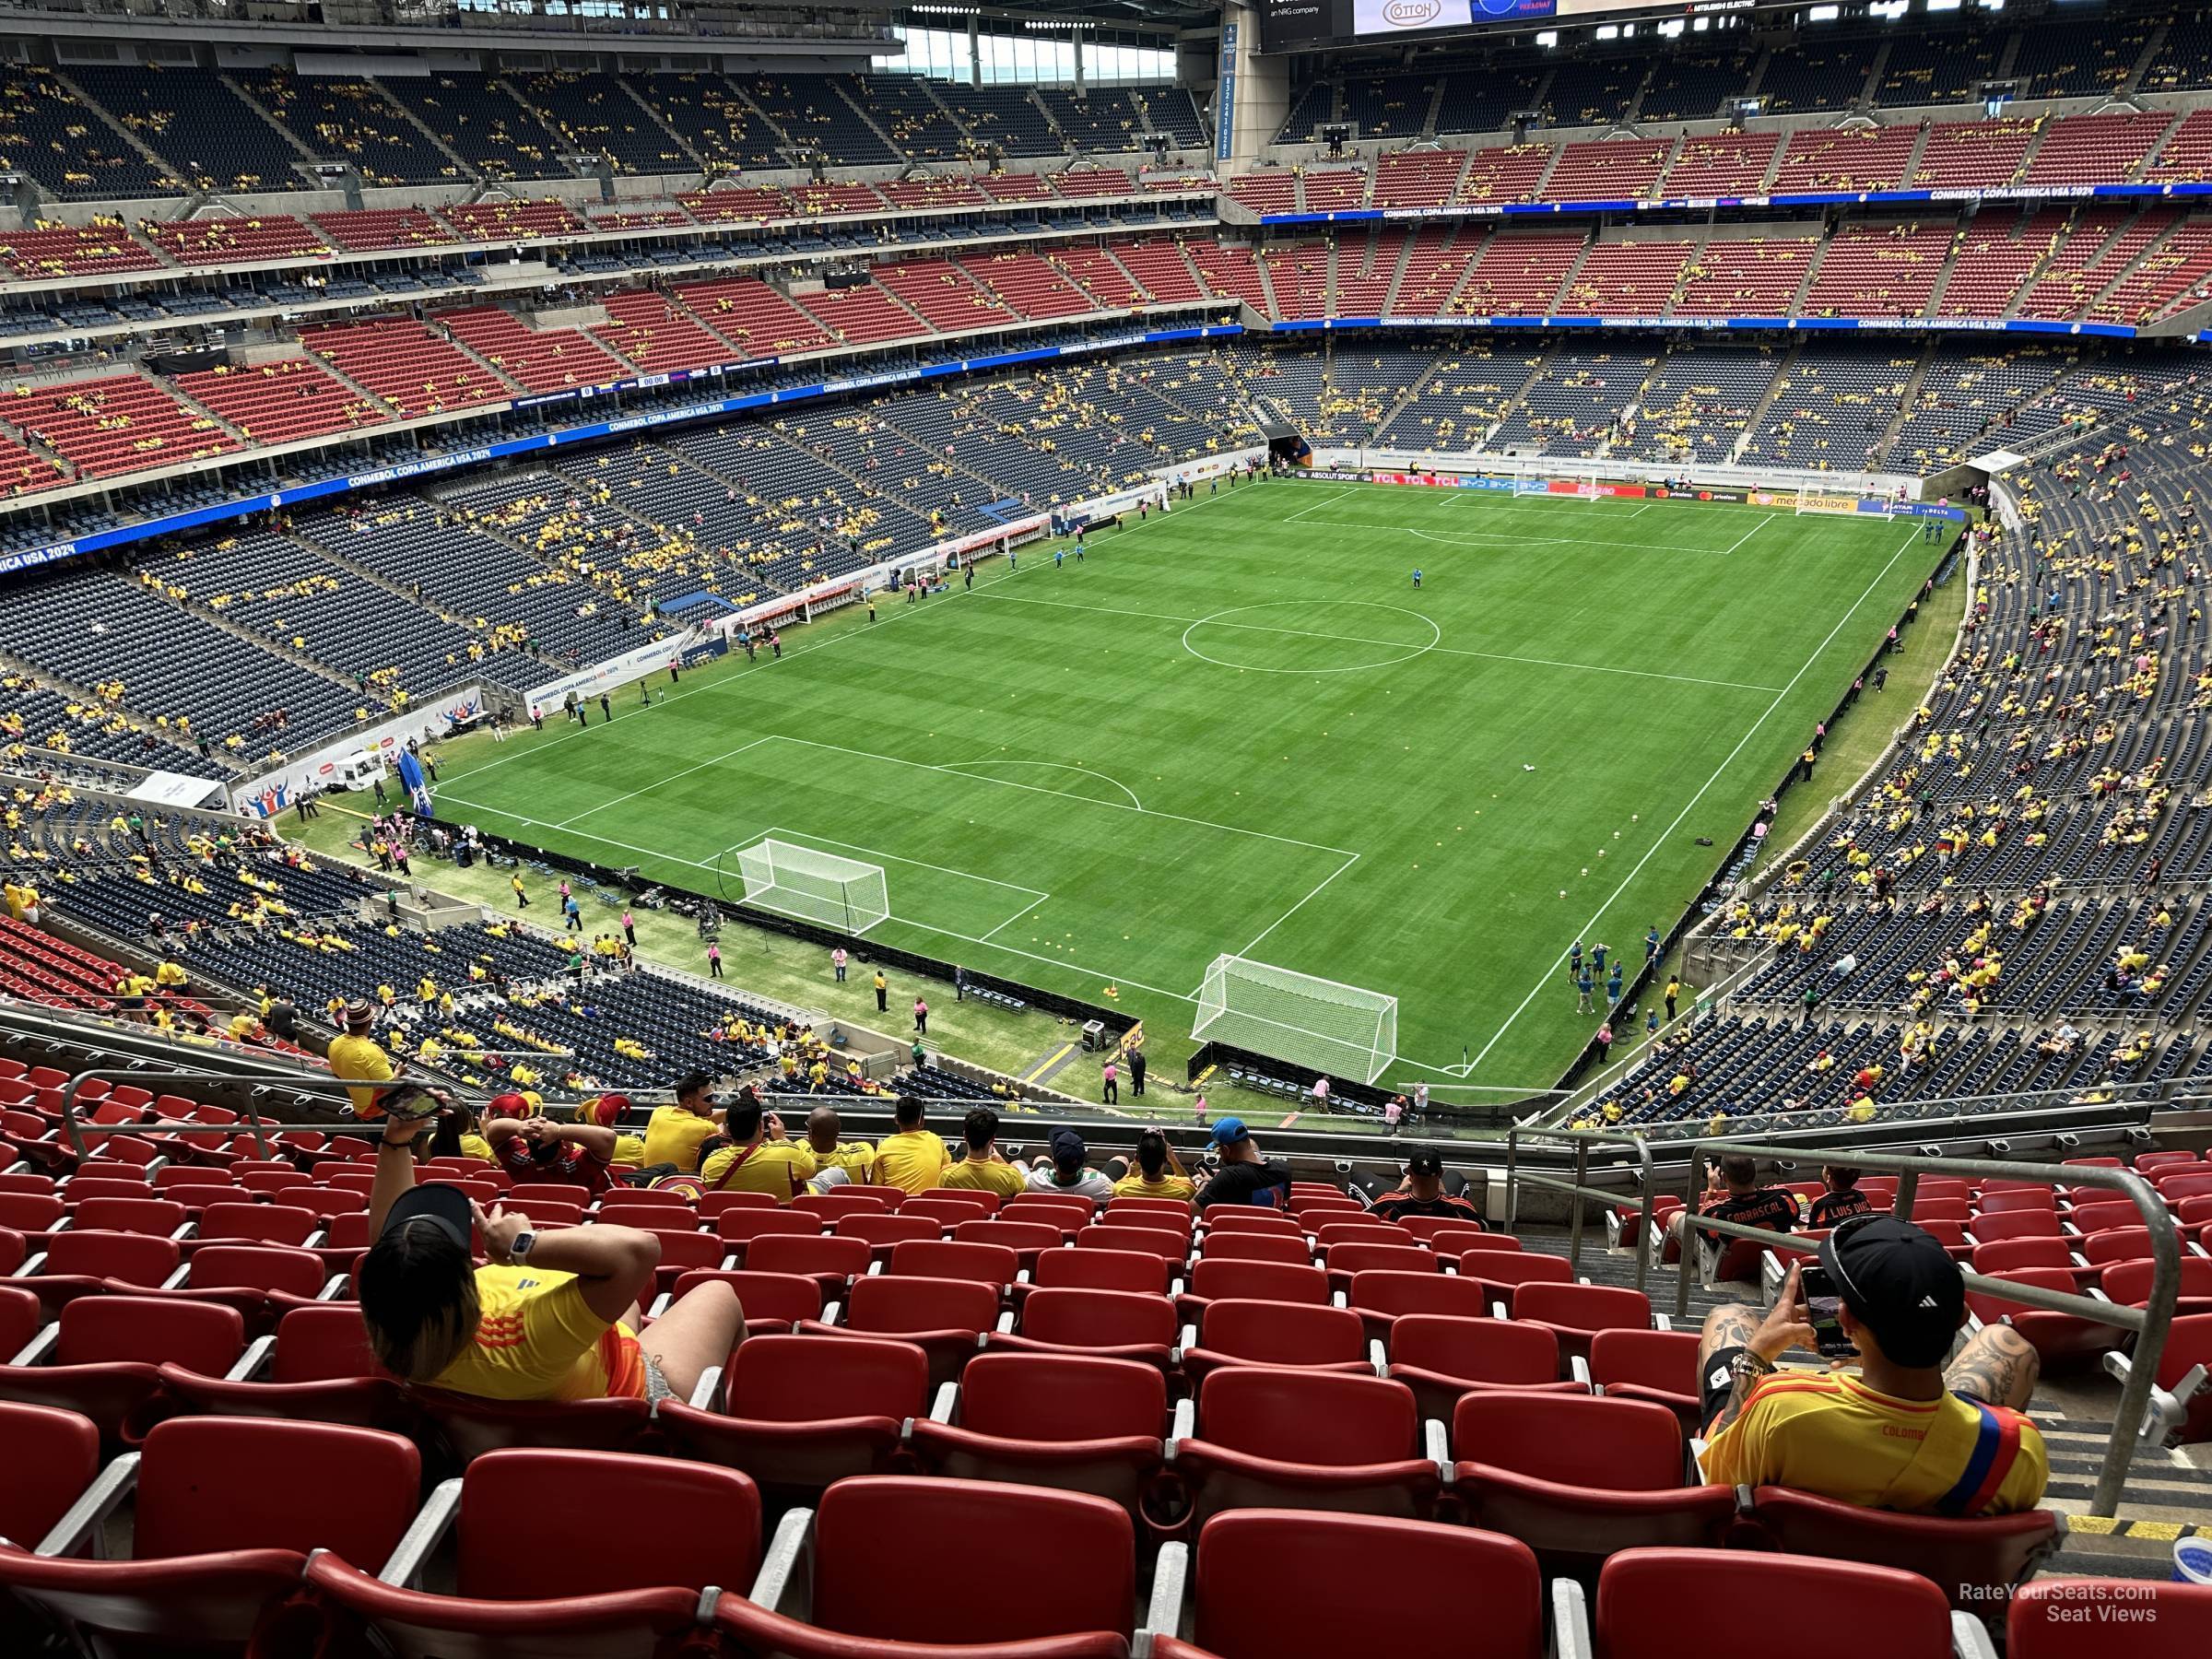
x: 1911, y: 1427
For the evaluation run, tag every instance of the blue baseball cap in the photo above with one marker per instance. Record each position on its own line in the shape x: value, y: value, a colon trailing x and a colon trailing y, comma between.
x: 1229, y: 1131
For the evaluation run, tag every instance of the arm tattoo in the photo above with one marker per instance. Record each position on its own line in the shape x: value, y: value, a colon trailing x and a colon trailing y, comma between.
x: 1730, y: 1325
x: 1998, y: 1367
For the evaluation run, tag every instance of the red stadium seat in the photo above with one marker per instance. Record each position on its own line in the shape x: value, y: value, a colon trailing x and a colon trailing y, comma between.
x: 1381, y: 1296
x: 1344, y: 1260
x: 992, y: 1265
x: 227, y: 1512
x: 101, y: 1358
x: 319, y: 1368
x: 1503, y: 1269
x: 519, y: 1603
x: 51, y: 1457
x: 1442, y: 1358
x: 1232, y: 1332
x: 1659, y: 1366
x: 2183, y: 1396
x: 2059, y: 1338
x: 20, y: 1316
x: 1361, y: 1231
x: 2128, y: 1283
x: 771, y: 1302
x: 828, y: 1261
x: 94, y: 1261
x: 801, y: 1412
x: 1451, y: 1238
x: 1244, y: 1245
x: 1580, y: 1477
x: 831, y: 1206
x: 952, y: 1206
x: 1098, y: 1270
x: 1574, y: 1313
x: 1027, y: 1240
x: 738, y: 1228
x: 1118, y: 1324
x: 2012, y: 1224
x: 1451, y: 1591
x: 2017, y: 1198
x: 944, y: 1318
x: 713, y: 1206
x: 1975, y: 1563
x: 1834, y: 1605
x: 884, y: 1233
x: 1213, y: 1278
x: 863, y: 1599
x: 2160, y: 1621
x: 1222, y: 1218
x: 1077, y: 1422
x: 1269, y: 1437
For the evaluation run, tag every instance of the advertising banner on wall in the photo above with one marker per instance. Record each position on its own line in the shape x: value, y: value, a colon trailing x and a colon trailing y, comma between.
x: 359, y: 755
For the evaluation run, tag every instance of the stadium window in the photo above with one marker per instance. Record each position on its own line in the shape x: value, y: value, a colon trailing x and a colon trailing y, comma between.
x: 1889, y: 10
x: 1548, y: 37
x: 1609, y: 31
x: 1699, y: 25
x: 1823, y: 14
x: 1671, y: 28
x: 1945, y: 5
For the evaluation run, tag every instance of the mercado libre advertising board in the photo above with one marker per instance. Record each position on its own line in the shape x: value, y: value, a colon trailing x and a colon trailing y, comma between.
x: 1289, y: 25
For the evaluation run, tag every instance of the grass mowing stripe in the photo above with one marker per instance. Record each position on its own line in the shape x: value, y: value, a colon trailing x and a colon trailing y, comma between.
x: 1599, y: 914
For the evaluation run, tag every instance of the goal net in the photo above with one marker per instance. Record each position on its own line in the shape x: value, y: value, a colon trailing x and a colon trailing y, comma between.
x: 1314, y: 1024
x: 1812, y: 501
x: 814, y: 887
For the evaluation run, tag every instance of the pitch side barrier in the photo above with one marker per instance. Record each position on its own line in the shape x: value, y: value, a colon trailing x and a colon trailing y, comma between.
x: 2147, y: 1324
x: 2013, y: 325
x: 620, y: 427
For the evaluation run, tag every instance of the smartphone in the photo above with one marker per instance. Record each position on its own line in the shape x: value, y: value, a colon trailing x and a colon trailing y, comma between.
x: 1824, y: 1307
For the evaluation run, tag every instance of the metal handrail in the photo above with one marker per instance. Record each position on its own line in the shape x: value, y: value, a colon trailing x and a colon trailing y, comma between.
x: 252, y: 1122
x: 1579, y: 1186
x: 2148, y: 1323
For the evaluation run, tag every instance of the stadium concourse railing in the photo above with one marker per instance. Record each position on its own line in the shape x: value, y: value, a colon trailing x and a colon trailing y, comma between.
x: 1577, y: 1186
x: 2147, y: 1324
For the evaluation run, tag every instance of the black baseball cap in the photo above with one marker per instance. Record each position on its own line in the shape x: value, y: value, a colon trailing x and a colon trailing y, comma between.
x: 1425, y: 1163
x: 1901, y: 1283
x: 444, y: 1207
x: 1068, y: 1147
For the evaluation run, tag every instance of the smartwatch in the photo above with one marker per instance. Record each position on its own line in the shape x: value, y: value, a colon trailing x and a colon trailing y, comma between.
x: 522, y: 1246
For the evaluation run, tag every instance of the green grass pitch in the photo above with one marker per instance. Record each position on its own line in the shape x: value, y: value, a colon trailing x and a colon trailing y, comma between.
x: 1238, y: 727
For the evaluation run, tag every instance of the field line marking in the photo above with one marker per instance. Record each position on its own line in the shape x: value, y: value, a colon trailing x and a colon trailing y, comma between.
x: 775, y: 830
x: 1289, y: 840
x: 1661, y: 840
x: 1018, y: 914
x: 1310, y: 506
x: 672, y: 777
x: 1306, y: 633
x: 1746, y: 536
x: 1286, y: 916
x: 962, y: 766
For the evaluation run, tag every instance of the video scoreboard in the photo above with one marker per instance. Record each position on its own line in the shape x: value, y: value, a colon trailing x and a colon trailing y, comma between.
x: 1309, y: 25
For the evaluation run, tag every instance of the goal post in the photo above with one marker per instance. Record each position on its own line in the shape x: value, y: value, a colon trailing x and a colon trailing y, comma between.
x: 1812, y: 499
x: 1314, y: 1024
x: 813, y: 886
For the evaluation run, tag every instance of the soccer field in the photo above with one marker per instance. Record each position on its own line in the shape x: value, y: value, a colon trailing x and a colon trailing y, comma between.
x: 1239, y: 728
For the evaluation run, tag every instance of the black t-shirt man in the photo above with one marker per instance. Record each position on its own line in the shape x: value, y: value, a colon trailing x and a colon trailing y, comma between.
x: 1831, y: 1207
x: 1774, y: 1209
x: 1265, y: 1184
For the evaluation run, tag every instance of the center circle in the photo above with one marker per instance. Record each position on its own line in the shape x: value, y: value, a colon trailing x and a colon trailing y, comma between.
x: 1312, y: 636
